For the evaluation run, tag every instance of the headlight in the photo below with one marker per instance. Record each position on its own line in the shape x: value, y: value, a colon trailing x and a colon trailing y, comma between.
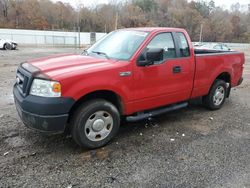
x: 45, y: 88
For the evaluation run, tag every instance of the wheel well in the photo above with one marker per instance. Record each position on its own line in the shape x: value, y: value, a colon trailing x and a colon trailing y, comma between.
x: 102, y: 94
x: 225, y: 76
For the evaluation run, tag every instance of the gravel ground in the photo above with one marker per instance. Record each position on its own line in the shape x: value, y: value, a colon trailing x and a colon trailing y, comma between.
x: 192, y: 147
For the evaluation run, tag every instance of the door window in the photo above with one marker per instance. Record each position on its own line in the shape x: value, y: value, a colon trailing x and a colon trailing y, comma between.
x: 164, y: 41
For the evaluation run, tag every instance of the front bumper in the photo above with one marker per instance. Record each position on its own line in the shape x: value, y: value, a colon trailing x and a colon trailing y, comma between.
x: 41, y: 113
x: 13, y: 46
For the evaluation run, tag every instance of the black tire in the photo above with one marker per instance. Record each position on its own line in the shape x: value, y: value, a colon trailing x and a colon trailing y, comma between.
x: 83, y: 115
x: 5, y: 47
x: 210, y: 101
x: 14, y: 47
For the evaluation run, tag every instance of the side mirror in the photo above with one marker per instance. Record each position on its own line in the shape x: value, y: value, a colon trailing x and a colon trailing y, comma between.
x: 151, y: 55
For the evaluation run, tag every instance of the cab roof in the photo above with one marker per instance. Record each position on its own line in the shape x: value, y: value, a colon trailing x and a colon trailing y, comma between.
x: 154, y: 29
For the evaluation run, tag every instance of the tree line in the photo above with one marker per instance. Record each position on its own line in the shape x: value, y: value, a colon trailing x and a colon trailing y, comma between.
x: 217, y: 24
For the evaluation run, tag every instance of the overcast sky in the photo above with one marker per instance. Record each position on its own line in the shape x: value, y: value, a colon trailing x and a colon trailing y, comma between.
x: 228, y: 3
x: 89, y: 3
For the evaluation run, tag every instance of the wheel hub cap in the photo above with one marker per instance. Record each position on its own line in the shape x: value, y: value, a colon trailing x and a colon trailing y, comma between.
x: 219, y: 95
x: 98, y: 125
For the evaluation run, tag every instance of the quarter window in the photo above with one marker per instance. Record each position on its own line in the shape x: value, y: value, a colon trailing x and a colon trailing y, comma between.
x: 183, y: 45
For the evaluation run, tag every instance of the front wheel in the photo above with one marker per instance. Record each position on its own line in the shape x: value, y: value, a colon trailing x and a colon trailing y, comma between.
x: 7, y: 46
x: 217, y: 95
x: 95, y: 123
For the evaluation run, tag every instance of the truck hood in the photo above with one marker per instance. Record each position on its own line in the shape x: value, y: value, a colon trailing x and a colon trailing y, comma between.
x: 57, y: 65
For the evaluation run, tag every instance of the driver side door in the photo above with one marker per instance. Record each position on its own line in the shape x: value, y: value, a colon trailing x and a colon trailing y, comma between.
x: 164, y: 82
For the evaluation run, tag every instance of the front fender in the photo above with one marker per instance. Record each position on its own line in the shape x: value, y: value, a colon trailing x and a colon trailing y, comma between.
x: 77, y: 88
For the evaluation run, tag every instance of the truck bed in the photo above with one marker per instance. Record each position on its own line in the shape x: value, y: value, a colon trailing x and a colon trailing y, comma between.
x: 208, y: 66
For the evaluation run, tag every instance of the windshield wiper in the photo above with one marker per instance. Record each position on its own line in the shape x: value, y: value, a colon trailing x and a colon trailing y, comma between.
x: 101, y: 53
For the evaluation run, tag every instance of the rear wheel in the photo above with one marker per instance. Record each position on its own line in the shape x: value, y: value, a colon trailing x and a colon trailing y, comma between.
x: 217, y: 95
x: 95, y: 123
x: 13, y: 47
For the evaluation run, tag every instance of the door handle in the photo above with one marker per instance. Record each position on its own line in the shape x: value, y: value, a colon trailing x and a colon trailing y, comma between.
x: 177, y: 69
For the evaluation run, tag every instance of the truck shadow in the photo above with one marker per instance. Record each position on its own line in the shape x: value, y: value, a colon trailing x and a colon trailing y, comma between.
x: 165, y: 120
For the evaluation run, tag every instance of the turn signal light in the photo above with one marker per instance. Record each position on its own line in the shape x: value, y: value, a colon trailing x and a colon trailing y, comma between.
x: 57, y: 88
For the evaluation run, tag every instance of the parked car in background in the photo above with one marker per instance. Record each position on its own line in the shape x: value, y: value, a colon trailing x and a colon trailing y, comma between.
x: 213, y: 46
x: 6, y: 44
x: 197, y: 44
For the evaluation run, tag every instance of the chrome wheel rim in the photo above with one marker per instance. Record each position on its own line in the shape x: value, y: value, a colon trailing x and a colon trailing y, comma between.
x: 98, y: 126
x: 219, y: 95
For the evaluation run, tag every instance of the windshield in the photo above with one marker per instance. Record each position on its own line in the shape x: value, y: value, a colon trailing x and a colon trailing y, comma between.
x: 120, y: 44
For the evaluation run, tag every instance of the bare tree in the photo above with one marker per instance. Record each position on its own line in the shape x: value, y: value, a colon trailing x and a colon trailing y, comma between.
x: 218, y: 24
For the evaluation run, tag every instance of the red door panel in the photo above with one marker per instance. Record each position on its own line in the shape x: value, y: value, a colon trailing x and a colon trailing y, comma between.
x: 163, y: 83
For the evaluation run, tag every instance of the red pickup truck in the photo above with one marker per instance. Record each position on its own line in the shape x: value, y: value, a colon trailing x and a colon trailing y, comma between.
x: 132, y: 73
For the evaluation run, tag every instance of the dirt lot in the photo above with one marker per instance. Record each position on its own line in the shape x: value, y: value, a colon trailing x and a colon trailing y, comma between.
x: 192, y: 147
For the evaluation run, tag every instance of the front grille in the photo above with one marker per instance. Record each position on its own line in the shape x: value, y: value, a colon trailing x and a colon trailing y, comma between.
x: 23, y: 80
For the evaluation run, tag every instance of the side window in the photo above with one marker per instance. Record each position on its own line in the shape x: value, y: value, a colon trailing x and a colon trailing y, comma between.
x: 183, y: 45
x: 165, y: 41
x: 224, y: 47
x: 217, y: 47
